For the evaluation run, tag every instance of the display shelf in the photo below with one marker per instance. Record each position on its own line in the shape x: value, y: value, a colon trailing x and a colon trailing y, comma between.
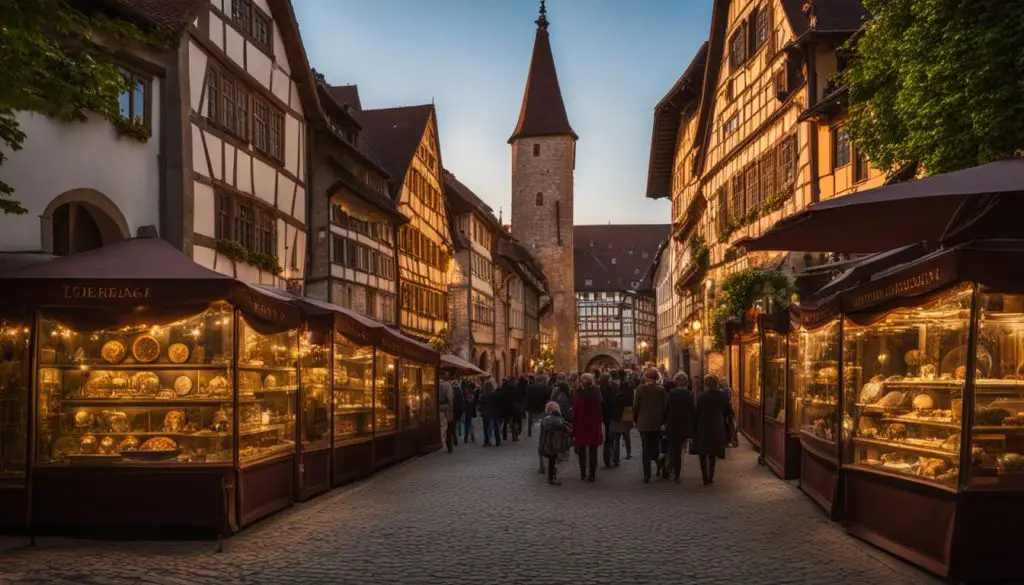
x: 907, y: 447
x: 357, y: 410
x: 948, y: 485
x: 945, y: 424
x: 99, y: 402
x: 271, y: 454
x: 135, y: 367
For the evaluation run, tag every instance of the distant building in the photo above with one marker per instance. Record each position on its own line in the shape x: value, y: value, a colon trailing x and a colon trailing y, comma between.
x: 614, y: 292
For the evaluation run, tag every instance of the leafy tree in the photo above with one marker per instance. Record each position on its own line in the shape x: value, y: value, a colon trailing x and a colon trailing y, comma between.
x: 939, y: 82
x: 741, y: 290
x: 54, y: 64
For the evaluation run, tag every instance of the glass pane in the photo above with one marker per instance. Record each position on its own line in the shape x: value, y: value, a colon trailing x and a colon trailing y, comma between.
x: 997, y: 449
x: 775, y: 349
x: 316, y: 397
x: 751, y: 378
x: 267, y: 383
x: 409, y: 394
x: 793, y: 380
x: 15, y: 377
x: 817, y: 388
x: 353, y: 390
x: 385, y: 393
x: 137, y: 395
x: 125, y: 102
x: 139, y: 102
x: 904, y: 389
x: 428, y: 392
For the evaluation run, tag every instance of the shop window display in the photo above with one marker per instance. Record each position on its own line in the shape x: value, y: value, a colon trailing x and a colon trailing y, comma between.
x: 817, y: 386
x: 353, y: 390
x: 905, y: 376
x: 385, y: 393
x: 793, y: 378
x: 15, y: 364
x: 137, y: 395
x: 751, y: 378
x: 997, y: 439
x: 267, y: 383
x: 316, y: 397
x: 775, y: 349
x: 410, y: 397
x: 428, y: 392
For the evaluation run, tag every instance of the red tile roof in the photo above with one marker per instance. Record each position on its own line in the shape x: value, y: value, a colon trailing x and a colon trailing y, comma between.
x: 393, y: 134
x: 615, y: 257
x: 170, y: 14
x: 346, y: 95
x: 543, y: 111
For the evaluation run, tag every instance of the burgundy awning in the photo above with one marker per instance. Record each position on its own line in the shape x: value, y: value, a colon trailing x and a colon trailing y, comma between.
x: 983, y: 202
x: 137, y: 281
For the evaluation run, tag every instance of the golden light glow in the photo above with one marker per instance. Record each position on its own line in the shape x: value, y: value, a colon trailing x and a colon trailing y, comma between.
x: 696, y: 325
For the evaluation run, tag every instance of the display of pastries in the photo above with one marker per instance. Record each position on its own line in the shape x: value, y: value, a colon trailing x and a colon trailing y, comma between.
x: 892, y: 399
x: 159, y: 444
x: 88, y: 444
x: 146, y: 383
x: 178, y: 353
x: 174, y: 421
x: 128, y: 444
x: 270, y: 381
x: 113, y: 351
x: 83, y: 418
x: 182, y: 386
x: 218, y: 386
x: 923, y: 401
x: 145, y: 349
x: 107, y: 445
x: 117, y: 421
x: 871, y: 392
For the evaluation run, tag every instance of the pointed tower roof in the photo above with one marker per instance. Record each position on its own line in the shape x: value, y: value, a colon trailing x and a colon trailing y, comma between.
x: 543, y: 112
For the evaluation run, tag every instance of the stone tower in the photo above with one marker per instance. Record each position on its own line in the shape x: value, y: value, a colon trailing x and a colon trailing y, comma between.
x: 543, y: 162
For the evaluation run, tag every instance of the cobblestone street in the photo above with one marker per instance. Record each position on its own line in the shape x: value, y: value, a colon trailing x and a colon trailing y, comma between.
x: 486, y: 516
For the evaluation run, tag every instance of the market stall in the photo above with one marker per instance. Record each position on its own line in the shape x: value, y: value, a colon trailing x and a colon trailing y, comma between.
x: 163, y: 391
x: 781, y: 442
x: 816, y: 390
x: 15, y: 380
x: 418, y: 425
x: 750, y: 417
x: 933, y: 451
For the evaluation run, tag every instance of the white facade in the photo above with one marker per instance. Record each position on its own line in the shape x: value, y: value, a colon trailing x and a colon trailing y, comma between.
x: 257, y: 170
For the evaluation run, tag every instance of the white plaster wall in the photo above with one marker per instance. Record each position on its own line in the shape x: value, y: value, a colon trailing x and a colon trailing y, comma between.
x: 58, y: 157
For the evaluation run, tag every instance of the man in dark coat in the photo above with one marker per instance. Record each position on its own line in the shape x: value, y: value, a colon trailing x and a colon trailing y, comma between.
x: 506, y: 406
x: 537, y: 395
x: 604, y: 384
x: 680, y: 420
x: 713, y: 407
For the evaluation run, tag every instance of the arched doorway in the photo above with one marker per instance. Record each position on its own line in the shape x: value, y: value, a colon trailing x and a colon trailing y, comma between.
x: 484, y: 362
x: 81, y: 220
x: 602, y: 361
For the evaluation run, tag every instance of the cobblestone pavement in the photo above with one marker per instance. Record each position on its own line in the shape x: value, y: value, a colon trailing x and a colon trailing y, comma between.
x: 486, y: 516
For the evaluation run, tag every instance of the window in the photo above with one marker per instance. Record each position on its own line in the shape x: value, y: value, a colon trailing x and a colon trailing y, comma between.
x: 275, y: 146
x: 730, y: 89
x: 762, y: 30
x: 133, y: 100
x: 781, y: 87
x: 860, y: 166
x: 252, y: 22
x: 738, y: 47
x: 245, y: 221
x: 722, y: 197
x: 234, y: 108
x: 787, y: 162
x: 753, y: 195
x: 840, y: 147
x: 540, y: 199
x: 536, y: 150
x: 736, y: 209
x: 731, y: 125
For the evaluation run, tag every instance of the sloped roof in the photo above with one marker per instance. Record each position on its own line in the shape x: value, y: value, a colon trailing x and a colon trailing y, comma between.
x: 830, y: 15
x: 346, y: 95
x: 519, y: 258
x: 393, y: 135
x: 170, y: 14
x: 543, y: 111
x: 668, y: 115
x: 613, y: 257
x: 463, y: 198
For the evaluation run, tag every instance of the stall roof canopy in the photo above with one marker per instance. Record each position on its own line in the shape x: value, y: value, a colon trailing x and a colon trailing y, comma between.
x: 137, y: 281
x: 983, y: 202
x: 459, y: 366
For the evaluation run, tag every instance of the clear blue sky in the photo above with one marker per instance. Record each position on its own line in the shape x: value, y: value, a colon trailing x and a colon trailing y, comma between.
x: 615, y: 60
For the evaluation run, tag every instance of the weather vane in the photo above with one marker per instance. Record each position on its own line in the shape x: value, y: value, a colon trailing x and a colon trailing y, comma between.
x: 542, y: 21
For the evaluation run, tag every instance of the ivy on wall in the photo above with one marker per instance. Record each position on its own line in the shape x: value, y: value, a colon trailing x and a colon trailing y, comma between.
x: 741, y: 290
x: 239, y: 253
x: 767, y: 206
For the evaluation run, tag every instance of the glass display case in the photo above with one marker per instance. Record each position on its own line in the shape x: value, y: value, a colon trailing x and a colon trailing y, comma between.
x: 817, y: 388
x: 353, y: 390
x: 410, y: 394
x: 793, y: 378
x: 774, y: 377
x: 15, y: 376
x: 904, y: 385
x: 997, y: 437
x: 385, y: 393
x: 137, y: 395
x: 267, y: 386
x: 750, y: 352
x: 428, y: 393
x: 316, y: 395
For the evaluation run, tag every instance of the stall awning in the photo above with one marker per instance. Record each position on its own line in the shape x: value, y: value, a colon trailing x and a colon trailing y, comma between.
x: 138, y: 281
x: 983, y: 202
x: 400, y: 344
x: 460, y: 367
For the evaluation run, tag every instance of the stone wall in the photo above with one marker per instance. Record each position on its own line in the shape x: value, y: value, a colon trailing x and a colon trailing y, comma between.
x: 542, y: 219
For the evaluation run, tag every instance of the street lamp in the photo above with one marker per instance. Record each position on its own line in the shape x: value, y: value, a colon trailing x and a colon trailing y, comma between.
x: 696, y: 325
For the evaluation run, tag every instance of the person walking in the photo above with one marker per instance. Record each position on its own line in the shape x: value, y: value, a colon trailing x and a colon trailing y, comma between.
x: 604, y: 384
x: 537, y: 393
x: 562, y: 394
x: 518, y: 408
x: 445, y: 402
x: 713, y: 409
x: 586, y: 425
x: 622, y: 416
x: 553, y: 442
x: 489, y: 412
x: 649, y: 413
x: 468, y: 414
x: 458, y: 410
x: 680, y: 421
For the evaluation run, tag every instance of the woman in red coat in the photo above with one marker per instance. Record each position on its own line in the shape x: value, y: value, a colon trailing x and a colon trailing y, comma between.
x: 586, y: 425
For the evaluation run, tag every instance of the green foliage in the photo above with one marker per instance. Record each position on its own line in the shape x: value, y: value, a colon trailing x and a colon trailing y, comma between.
x: 133, y: 128
x: 239, y: 253
x: 54, y: 64
x: 740, y: 290
x: 440, y: 342
x: 545, y: 360
x: 753, y: 214
x: 698, y: 249
x: 938, y: 82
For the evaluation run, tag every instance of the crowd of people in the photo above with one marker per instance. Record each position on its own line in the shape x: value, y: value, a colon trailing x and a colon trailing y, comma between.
x: 597, y: 411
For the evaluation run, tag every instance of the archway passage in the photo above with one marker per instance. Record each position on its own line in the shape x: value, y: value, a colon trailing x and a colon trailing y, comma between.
x: 484, y: 362
x: 602, y: 361
x: 80, y: 221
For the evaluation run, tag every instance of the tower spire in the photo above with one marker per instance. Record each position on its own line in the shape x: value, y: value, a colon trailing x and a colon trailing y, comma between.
x: 542, y: 20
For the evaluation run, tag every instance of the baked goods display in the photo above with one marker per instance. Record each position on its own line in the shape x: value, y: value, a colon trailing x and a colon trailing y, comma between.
x: 267, y: 380
x: 353, y: 391
x: 817, y: 387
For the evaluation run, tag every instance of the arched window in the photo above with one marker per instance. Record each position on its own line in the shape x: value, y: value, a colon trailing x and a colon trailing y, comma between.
x: 540, y: 199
